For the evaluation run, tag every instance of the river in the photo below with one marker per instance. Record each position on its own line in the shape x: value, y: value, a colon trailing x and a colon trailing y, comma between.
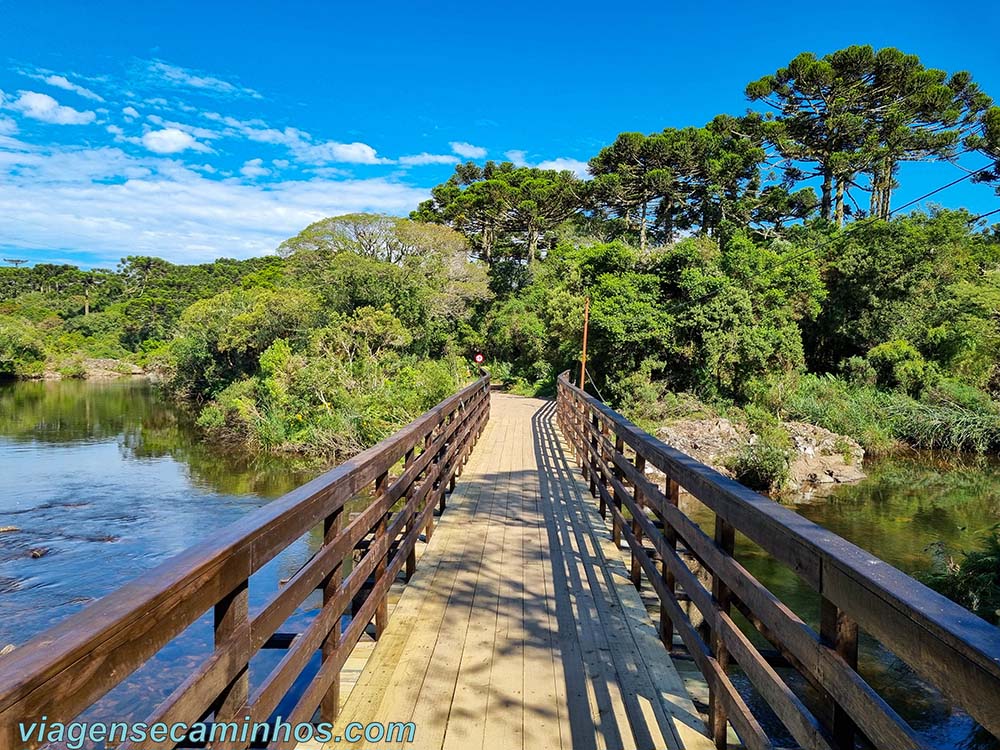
x: 104, y: 480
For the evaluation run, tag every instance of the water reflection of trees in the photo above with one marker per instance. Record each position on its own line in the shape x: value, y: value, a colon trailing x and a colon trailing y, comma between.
x: 147, y: 426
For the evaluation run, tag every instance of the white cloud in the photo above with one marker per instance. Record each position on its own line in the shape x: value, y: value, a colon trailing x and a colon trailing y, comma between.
x: 7, y: 124
x: 43, y: 107
x: 467, y: 150
x: 63, y: 82
x: 254, y: 168
x: 203, y: 133
x: 116, y: 204
x: 130, y: 113
x: 425, y: 158
x: 280, y: 163
x: 185, y: 77
x: 339, y: 153
x: 518, y: 157
x: 171, y: 141
x: 563, y: 163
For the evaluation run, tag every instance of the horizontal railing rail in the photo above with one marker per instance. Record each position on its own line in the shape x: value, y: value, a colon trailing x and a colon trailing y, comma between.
x: 65, y: 670
x: 945, y: 644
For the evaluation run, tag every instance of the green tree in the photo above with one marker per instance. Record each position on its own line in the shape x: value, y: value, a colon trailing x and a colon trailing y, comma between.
x: 501, y: 207
x: 631, y: 178
x: 860, y: 111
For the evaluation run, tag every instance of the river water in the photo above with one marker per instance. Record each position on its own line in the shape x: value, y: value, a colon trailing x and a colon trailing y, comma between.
x: 105, y: 480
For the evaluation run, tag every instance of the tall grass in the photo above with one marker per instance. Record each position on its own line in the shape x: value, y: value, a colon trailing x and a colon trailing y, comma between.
x: 881, y: 420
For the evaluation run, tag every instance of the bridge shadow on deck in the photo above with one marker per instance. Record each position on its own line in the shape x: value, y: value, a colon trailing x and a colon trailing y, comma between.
x: 520, y: 627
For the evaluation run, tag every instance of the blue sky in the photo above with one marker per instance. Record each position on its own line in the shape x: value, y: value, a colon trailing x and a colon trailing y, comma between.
x: 200, y: 130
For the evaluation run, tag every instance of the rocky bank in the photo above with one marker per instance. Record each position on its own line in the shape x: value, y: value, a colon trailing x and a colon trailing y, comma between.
x: 819, y: 457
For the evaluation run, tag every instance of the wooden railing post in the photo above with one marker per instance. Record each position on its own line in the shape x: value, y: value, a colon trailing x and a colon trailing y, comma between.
x: 411, y: 557
x: 382, y: 608
x: 640, y: 465
x: 438, y: 468
x: 840, y: 632
x: 231, y: 614
x: 725, y: 537
x: 595, y: 471
x: 428, y: 440
x: 330, y: 707
x: 616, y: 532
x: 672, y: 491
x: 459, y: 455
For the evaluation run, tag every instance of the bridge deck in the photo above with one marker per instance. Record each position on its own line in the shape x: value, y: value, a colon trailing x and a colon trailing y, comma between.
x: 520, y: 627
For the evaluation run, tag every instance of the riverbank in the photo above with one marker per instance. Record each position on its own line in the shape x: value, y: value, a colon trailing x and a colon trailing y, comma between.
x: 86, y: 368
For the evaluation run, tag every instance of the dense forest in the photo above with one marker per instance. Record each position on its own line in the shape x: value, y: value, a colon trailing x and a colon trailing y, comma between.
x: 753, y: 267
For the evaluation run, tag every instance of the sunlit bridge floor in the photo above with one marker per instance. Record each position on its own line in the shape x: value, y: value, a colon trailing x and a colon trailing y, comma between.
x: 520, y: 628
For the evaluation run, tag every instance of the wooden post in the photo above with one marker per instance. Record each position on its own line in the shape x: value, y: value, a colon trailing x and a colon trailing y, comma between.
x: 616, y: 532
x: 439, y: 466
x: 330, y: 706
x: 640, y: 465
x: 840, y: 632
x: 411, y: 557
x: 725, y: 537
x: 459, y: 456
x: 672, y: 491
x: 231, y: 614
x: 382, y: 608
x: 583, y: 358
x: 429, y: 531
x: 595, y: 423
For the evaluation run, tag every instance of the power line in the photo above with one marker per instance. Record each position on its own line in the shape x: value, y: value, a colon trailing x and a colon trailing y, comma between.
x: 943, y: 187
x: 804, y: 253
x: 590, y: 381
x: 988, y: 213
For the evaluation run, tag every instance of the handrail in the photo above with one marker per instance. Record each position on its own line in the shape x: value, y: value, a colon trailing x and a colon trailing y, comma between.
x: 945, y: 644
x: 64, y: 670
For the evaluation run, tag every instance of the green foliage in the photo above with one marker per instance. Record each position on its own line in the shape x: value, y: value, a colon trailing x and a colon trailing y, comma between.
x: 506, y: 211
x: 897, y: 364
x: 974, y: 580
x: 762, y: 466
x: 20, y: 353
x: 880, y: 419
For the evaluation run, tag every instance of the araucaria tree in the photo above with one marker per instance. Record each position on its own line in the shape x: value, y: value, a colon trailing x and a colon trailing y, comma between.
x: 861, y: 112
x: 504, y: 210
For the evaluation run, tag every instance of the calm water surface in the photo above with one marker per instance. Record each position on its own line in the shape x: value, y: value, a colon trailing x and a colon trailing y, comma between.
x: 110, y: 480
x: 105, y: 481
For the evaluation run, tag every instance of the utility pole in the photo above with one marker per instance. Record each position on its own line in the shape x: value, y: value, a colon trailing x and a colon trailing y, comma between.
x: 583, y: 359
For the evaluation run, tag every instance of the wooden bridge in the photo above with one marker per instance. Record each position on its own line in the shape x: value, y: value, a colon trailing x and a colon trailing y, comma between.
x: 491, y: 592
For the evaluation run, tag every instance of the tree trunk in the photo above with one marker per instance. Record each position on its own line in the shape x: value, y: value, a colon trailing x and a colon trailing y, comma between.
x: 874, y: 207
x: 642, y: 227
x: 886, y: 199
x: 532, y: 245
x: 826, y: 202
x: 840, y: 202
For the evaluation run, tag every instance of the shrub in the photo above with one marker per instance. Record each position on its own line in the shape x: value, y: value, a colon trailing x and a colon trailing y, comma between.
x: 973, y: 581
x: 761, y: 466
x: 21, y: 354
x: 897, y: 364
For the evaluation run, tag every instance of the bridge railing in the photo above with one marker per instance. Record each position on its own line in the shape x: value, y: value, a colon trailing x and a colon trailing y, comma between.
x: 946, y: 645
x: 66, y: 669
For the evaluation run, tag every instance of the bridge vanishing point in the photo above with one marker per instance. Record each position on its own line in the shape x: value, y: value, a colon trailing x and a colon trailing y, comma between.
x: 522, y: 575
